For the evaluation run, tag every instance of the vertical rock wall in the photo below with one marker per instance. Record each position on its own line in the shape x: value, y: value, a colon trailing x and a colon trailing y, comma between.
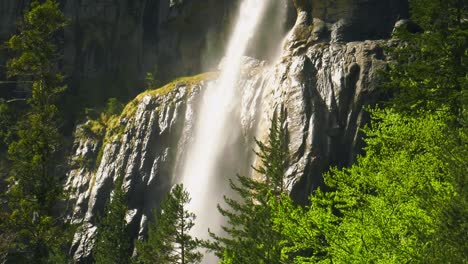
x: 350, y: 20
x: 327, y: 74
x: 324, y: 89
x: 111, y: 44
x: 147, y: 146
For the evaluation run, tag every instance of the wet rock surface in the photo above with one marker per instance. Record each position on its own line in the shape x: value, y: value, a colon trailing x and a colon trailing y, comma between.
x: 324, y: 91
x: 323, y: 84
x: 148, y: 151
x: 143, y: 153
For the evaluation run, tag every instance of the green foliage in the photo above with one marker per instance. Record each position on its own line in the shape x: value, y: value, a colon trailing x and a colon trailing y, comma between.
x: 5, y: 243
x: 274, y: 155
x: 37, y: 50
x: 250, y: 234
x: 189, y: 82
x: 150, y: 82
x: 169, y: 240
x: 405, y: 201
x: 98, y: 121
x: 392, y: 207
x: 7, y: 123
x: 112, y: 244
x: 35, y: 143
x: 34, y: 172
x: 113, y: 107
x: 7, y: 128
x: 430, y: 68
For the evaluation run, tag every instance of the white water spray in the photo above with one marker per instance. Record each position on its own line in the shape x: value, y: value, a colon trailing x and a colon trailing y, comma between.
x: 213, y: 127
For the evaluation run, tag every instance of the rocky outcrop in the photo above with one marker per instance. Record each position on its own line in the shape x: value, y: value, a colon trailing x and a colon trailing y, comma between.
x: 349, y: 20
x: 141, y: 145
x: 111, y: 45
x: 146, y: 145
x: 323, y: 81
x: 324, y: 90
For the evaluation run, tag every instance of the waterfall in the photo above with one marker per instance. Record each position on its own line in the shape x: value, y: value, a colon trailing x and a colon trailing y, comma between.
x: 214, y: 126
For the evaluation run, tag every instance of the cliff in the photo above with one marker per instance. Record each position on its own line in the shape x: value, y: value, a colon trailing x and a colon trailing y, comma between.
x: 349, y: 20
x: 109, y: 46
x: 327, y: 74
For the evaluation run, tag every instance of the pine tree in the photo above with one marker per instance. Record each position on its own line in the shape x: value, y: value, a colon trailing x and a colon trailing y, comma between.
x: 112, y: 244
x: 405, y: 200
x: 35, y: 142
x: 169, y: 240
x: 251, y: 237
x: 430, y: 67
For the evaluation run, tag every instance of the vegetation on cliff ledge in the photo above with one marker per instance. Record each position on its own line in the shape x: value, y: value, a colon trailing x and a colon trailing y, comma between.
x: 404, y: 201
x: 165, y: 90
x: 110, y: 124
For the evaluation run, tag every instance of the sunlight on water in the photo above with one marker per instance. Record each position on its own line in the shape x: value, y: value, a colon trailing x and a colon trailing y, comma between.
x: 214, y: 125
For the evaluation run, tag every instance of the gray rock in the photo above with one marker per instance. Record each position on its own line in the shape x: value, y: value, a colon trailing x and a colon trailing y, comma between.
x: 407, y: 25
x: 150, y: 149
x: 111, y: 45
x: 152, y: 132
x: 352, y: 20
x: 324, y: 92
x: 324, y: 85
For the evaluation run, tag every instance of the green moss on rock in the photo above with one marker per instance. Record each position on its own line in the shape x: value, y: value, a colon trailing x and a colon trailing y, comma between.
x: 183, y: 81
x: 114, y: 125
x: 189, y: 82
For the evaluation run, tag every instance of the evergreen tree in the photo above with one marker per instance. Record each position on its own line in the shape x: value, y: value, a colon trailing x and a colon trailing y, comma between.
x: 112, y: 244
x: 392, y: 206
x: 35, y: 142
x: 250, y: 234
x: 405, y: 200
x: 169, y: 240
x: 430, y: 68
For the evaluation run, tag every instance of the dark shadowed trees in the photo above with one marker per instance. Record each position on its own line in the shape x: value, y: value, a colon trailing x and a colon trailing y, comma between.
x: 34, y: 140
x: 112, y: 243
x: 169, y: 240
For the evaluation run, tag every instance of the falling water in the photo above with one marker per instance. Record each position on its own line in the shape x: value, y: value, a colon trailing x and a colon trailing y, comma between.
x: 214, y: 126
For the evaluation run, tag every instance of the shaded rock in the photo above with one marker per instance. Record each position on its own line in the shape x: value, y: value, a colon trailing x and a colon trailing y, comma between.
x: 109, y: 46
x: 323, y: 90
x: 407, y: 25
x: 352, y: 20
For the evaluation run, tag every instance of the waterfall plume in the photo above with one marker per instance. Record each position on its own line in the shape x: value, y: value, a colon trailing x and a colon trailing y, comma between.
x: 215, y: 127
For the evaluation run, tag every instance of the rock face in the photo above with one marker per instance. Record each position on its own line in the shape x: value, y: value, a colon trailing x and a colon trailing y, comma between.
x: 111, y: 45
x: 324, y: 90
x: 323, y: 82
x: 144, y: 151
x: 350, y: 20
x: 126, y: 39
x: 146, y: 146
